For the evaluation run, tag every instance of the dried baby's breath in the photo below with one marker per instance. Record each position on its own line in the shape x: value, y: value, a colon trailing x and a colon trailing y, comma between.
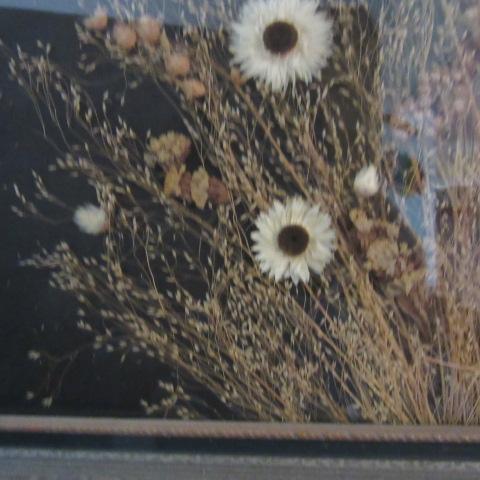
x: 168, y: 148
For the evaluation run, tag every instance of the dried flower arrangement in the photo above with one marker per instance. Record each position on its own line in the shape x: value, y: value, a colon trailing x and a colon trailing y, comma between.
x: 285, y: 272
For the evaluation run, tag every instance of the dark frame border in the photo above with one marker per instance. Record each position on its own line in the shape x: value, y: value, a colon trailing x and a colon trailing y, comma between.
x: 28, y: 463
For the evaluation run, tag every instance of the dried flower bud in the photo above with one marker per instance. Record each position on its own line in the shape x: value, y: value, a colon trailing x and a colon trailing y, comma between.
x: 98, y: 21
x: 193, y: 88
x: 366, y: 182
x: 124, y: 36
x: 149, y: 30
x: 177, y: 64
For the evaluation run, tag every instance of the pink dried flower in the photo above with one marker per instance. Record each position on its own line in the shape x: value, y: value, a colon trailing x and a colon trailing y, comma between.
x: 98, y: 21
x: 177, y: 64
x: 124, y: 36
x: 193, y: 88
x: 149, y: 30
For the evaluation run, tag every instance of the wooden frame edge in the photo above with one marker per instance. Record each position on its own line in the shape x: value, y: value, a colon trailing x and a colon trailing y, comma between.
x: 142, y: 427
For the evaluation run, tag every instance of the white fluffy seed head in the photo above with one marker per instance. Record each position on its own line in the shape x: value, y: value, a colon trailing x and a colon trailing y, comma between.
x: 366, y: 182
x: 310, y: 54
x: 90, y: 219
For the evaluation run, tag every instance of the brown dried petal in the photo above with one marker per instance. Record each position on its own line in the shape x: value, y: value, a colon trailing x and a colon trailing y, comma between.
x: 185, y: 186
x: 217, y: 192
x: 177, y: 64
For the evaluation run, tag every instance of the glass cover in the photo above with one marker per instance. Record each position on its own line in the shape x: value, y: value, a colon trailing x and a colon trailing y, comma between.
x: 262, y: 210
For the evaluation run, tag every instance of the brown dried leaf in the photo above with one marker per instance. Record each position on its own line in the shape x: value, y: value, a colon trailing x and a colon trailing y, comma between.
x: 185, y: 185
x: 199, y: 187
x: 171, y: 187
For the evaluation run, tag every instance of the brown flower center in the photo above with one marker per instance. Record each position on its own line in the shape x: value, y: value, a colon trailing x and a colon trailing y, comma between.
x: 293, y: 240
x: 280, y: 37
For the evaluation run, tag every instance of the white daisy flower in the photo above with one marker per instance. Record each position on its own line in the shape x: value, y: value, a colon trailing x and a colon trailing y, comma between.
x: 292, y: 238
x: 281, y: 41
x: 90, y: 219
x: 366, y: 183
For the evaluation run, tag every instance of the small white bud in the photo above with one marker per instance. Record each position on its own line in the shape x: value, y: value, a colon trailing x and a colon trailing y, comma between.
x: 91, y: 219
x: 366, y: 182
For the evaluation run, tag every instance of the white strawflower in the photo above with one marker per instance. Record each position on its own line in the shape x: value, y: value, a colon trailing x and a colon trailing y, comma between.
x: 366, y: 182
x: 90, y: 219
x: 292, y: 238
x: 281, y: 41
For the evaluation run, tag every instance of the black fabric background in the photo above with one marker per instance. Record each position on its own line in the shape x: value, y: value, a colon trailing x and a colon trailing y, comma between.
x: 33, y: 315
